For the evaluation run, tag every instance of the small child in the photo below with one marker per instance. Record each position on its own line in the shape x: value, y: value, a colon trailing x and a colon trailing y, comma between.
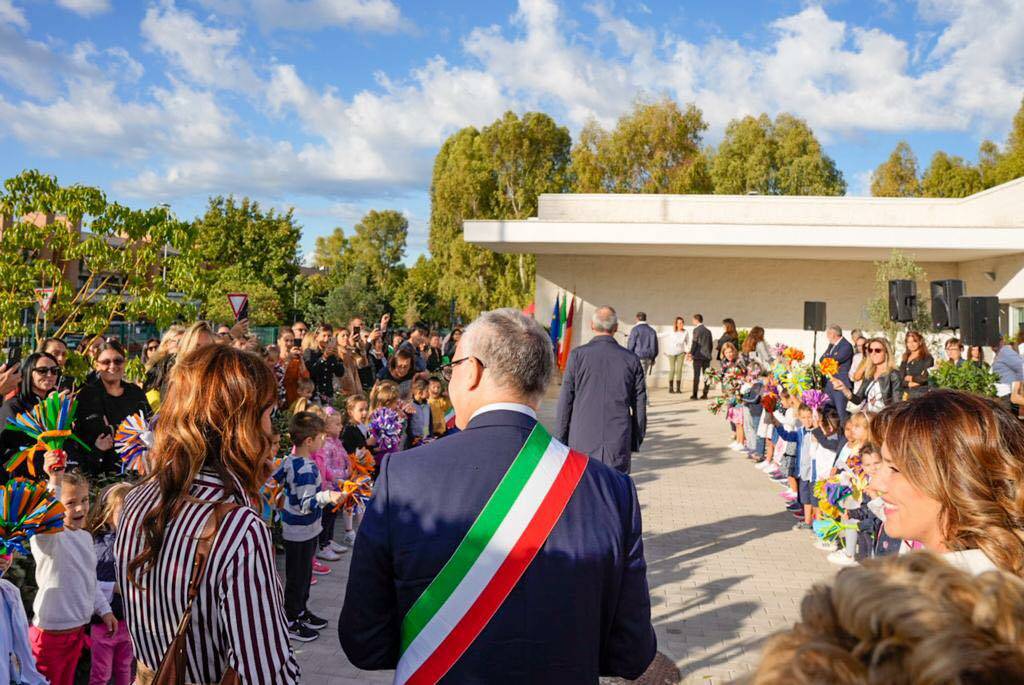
x: 333, y: 462
x: 787, y: 420
x: 439, y: 406
x: 825, y: 445
x: 68, y: 593
x: 112, y: 655
x: 305, y: 399
x: 804, y: 468
x: 356, y: 441
x: 420, y: 420
x: 388, y: 422
x: 17, y: 665
x: 872, y: 540
x: 301, y: 522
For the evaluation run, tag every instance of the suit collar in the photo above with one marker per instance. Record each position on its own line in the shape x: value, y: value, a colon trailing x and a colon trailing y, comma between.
x: 505, y: 406
x: 501, y: 417
x: 604, y: 338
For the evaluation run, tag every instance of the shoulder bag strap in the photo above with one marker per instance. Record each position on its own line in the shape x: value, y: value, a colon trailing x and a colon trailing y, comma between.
x: 172, y: 667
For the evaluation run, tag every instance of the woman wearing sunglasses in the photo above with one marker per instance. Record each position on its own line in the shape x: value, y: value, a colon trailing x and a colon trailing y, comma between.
x: 102, y: 405
x: 880, y: 385
x: 40, y: 373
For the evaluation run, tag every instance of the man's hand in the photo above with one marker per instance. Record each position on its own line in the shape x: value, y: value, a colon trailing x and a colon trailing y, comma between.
x: 10, y: 379
x: 384, y: 321
x: 240, y: 329
x: 110, y: 622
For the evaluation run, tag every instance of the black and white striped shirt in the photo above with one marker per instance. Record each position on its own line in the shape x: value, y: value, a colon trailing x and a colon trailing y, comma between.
x: 237, y: 618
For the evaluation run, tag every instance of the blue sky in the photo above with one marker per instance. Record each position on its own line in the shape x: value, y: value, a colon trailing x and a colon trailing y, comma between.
x: 335, y: 107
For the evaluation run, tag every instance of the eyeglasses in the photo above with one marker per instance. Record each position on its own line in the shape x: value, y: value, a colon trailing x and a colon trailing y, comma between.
x: 47, y: 370
x: 118, y: 361
x: 876, y: 350
x: 448, y: 369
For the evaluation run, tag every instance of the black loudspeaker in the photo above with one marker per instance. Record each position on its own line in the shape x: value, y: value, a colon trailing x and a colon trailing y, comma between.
x: 814, y: 316
x: 902, y: 300
x: 979, y: 320
x: 945, y: 312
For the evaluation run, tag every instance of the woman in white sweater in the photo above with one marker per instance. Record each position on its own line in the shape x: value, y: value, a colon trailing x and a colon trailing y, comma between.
x: 676, y: 345
x: 66, y: 574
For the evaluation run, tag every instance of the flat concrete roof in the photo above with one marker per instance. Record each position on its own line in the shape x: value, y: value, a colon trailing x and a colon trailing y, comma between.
x: 988, y: 224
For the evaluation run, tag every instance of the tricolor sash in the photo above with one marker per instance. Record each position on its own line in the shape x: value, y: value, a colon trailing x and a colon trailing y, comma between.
x: 490, y: 560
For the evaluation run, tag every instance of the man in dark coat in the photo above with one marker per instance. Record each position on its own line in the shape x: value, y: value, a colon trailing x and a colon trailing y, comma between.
x: 840, y: 349
x: 602, y: 409
x: 580, y: 610
x: 700, y: 354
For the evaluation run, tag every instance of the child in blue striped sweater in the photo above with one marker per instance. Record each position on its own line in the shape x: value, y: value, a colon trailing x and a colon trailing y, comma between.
x: 301, y: 513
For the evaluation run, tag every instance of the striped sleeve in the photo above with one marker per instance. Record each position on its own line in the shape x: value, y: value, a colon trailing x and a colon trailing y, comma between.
x: 251, y: 610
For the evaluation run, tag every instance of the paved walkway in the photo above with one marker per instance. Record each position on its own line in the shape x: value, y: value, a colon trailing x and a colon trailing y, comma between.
x: 724, y: 567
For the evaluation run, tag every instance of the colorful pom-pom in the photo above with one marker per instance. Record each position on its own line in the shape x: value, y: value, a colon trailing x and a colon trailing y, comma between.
x: 27, y: 509
x: 133, y: 440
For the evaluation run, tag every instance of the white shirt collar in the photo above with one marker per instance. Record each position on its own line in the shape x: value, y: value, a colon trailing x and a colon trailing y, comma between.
x: 505, y: 406
x: 974, y: 561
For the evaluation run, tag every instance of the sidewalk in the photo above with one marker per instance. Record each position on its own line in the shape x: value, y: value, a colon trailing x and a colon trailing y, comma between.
x: 724, y: 568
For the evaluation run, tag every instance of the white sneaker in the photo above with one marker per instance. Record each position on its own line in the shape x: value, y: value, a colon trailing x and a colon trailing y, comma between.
x: 339, y: 548
x: 350, y: 537
x: 841, y: 558
x: 826, y: 546
x: 736, y: 447
x: 327, y: 554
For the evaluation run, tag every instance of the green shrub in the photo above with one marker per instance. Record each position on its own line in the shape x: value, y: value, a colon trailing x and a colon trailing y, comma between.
x: 968, y: 377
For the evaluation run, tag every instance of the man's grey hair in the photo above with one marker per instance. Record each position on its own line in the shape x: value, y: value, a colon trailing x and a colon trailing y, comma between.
x: 837, y: 329
x: 514, y: 348
x: 605, y: 319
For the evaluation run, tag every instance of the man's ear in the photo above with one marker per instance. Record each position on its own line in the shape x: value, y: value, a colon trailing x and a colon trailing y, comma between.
x: 478, y: 375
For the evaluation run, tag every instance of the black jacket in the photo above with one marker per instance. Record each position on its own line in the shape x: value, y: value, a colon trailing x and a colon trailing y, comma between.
x: 13, y: 441
x: 890, y: 384
x: 322, y: 370
x: 700, y: 348
x: 99, y: 413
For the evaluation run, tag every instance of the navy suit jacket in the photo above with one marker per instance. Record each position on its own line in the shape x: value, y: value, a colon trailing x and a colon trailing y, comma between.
x: 602, y: 408
x: 842, y: 352
x: 582, y: 609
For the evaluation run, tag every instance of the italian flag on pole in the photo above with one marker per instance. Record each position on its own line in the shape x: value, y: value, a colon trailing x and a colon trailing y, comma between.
x: 487, y: 564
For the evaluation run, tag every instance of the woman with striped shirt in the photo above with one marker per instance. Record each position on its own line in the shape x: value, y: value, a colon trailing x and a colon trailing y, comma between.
x: 212, y: 445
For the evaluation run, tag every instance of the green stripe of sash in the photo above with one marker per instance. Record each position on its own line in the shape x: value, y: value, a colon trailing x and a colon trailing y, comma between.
x: 479, y: 534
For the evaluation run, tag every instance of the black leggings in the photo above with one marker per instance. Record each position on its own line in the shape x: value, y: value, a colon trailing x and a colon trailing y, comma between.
x: 298, y: 574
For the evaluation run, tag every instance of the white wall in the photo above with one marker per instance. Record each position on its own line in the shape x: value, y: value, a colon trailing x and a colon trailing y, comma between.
x: 755, y: 292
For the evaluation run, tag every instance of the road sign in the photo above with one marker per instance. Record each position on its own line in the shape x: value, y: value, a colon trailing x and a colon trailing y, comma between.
x: 44, y: 296
x: 239, y: 305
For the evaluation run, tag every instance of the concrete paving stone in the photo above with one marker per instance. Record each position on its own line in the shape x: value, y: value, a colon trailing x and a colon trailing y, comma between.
x: 724, y: 568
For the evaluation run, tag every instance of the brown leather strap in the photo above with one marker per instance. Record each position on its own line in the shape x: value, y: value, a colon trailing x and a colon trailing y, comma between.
x: 210, y: 530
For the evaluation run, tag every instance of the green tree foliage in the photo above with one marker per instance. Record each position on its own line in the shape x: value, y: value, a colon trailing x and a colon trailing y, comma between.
x: 330, y: 250
x: 494, y: 173
x: 999, y: 166
x: 773, y: 158
x: 119, y: 249
x: 897, y: 176
x: 354, y: 294
x: 656, y: 148
x: 264, y: 303
x: 967, y: 377
x: 950, y: 176
x: 264, y: 244
x: 378, y: 245
x: 898, y: 266
x: 417, y: 298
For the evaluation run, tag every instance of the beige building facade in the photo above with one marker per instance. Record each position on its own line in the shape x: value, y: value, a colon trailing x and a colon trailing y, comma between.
x: 757, y: 259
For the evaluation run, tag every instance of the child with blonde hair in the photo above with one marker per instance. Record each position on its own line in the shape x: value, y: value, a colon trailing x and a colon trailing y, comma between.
x: 356, y: 441
x: 332, y: 459
x: 112, y: 655
x: 69, y: 594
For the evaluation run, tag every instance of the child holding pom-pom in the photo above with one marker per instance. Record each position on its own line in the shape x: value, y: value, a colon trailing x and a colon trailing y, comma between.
x: 357, y: 441
x: 333, y: 462
x: 66, y: 575
x: 387, y: 419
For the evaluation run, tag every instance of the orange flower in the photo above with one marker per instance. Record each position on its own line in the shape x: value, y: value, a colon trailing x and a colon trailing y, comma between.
x: 829, y: 366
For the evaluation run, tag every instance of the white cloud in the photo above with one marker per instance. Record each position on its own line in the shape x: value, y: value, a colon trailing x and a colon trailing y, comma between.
x: 185, y: 139
x: 204, y: 54
x: 9, y: 14
x: 86, y: 8
x: 309, y: 15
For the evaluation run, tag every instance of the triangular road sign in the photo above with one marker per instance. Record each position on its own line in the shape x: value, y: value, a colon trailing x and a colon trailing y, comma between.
x: 238, y: 302
x: 44, y: 296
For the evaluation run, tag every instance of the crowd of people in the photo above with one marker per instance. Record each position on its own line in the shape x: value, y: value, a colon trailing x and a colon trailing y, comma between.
x: 260, y: 451
x: 339, y: 399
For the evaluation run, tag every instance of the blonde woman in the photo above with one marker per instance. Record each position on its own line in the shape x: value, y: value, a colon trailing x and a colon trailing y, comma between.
x: 880, y: 384
x: 909, y: 619
x: 952, y: 478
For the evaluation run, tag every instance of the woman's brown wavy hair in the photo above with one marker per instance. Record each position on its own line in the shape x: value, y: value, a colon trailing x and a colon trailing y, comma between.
x: 211, y: 419
x: 967, y: 453
x: 906, y: 619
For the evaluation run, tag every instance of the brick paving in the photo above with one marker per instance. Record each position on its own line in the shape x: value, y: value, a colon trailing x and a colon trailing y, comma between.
x: 724, y: 567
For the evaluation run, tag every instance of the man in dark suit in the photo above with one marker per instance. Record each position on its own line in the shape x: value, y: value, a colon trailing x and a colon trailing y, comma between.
x: 840, y: 349
x: 602, y: 408
x: 700, y: 354
x: 581, y: 608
